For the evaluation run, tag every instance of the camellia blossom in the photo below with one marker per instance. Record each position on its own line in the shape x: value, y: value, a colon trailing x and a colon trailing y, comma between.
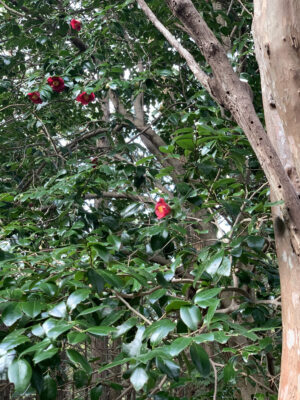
x: 94, y: 161
x: 75, y: 24
x: 85, y: 98
x: 162, y: 209
x: 56, y: 83
x: 35, y: 97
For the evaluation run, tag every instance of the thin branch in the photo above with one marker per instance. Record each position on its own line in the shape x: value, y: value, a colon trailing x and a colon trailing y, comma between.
x: 48, y: 136
x: 245, y: 8
x: 124, y: 392
x: 159, y: 386
x: 200, y: 75
x: 232, y: 307
x: 258, y: 382
x: 140, y: 294
x: 12, y: 105
x: 237, y: 290
x: 216, y: 380
x: 11, y: 10
x: 243, y: 207
x: 131, y: 308
x: 117, y: 195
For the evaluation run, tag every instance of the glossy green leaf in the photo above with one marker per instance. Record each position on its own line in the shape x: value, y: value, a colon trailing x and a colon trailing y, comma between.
x: 211, y: 310
x: 32, y: 308
x: 176, y: 305
x: 96, y: 280
x: 49, y: 390
x: 229, y: 373
x: 44, y: 355
x: 123, y: 328
x: 96, y: 392
x: 11, y: 342
x: 159, y: 330
x: 77, y: 297
x: 19, y: 373
x: 76, y: 337
x: 177, y: 346
x: 81, y: 378
x: 77, y: 358
x: 191, y: 316
x: 101, y: 330
x: 11, y: 314
x: 37, y: 347
x: 225, y: 267
x: 139, y: 378
x: 213, y: 264
x: 169, y: 368
x: 206, y: 294
x: 255, y: 242
x: 200, y: 359
x: 59, y: 311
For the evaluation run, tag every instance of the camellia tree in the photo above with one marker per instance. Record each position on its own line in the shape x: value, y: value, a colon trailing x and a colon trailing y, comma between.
x: 138, y: 184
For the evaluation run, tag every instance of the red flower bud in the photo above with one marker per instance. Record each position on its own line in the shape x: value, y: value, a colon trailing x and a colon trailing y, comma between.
x: 94, y: 161
x: 56, y: 83
x: 35, y: 97
x: 75, y: 24
x: 85, y: 98
x: 162, y: 209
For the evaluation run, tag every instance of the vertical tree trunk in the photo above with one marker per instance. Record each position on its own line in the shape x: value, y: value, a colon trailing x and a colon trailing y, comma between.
x: 277, y: 39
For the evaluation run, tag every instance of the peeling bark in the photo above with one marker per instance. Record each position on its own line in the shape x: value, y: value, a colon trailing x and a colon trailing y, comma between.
x: 275, y: 31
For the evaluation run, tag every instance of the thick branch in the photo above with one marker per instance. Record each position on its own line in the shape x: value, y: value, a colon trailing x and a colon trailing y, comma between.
x: 233, y: 94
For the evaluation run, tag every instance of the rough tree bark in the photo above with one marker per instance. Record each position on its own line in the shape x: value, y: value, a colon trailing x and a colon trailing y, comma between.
x: 277, y: 32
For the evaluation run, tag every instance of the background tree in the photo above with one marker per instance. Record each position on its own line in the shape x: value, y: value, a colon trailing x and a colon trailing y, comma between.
x: 99, y: 298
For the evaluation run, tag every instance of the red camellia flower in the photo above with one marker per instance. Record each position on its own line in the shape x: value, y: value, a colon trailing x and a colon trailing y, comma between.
x: 162, y: 209
x: 85, y: 98
x: 56, y: 83
x: 94, y: 161
x: 35, y: 97
x: 75, y: 24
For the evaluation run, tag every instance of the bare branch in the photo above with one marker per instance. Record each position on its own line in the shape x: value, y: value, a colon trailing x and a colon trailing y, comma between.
x: 199, y: 74
x: 216, y: 379
x: 12, y: 11
x: 131, y: 308
x: 117, y: 195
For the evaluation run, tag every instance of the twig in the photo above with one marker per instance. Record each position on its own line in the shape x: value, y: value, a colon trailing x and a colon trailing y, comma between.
x: 237, y: 290
x: 131, y: 308
x: 229, y: 8
x: 245, y: 8
x: 124, y: 392
x: 159, y: 386
x: 117, y: 195
x: 244, y: 205
x: 12, y: 10
x: 201, y: 75
x: 216, y: 379
x: 140, y: 294
x: 259, y: 383
x: 12, y: 105
x: 48, y: 136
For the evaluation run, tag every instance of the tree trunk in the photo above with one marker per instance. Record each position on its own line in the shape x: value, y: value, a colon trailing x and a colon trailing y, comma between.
x: 277, y: 37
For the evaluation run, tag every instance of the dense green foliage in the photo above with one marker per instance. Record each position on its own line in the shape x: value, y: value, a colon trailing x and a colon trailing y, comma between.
x: 180, y: 307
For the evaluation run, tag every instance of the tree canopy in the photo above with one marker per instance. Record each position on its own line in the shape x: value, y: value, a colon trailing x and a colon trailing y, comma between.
x: 98, y: 295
